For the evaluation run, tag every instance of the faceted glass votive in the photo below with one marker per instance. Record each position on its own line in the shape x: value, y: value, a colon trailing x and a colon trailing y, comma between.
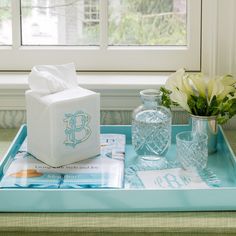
x: 192, y: 151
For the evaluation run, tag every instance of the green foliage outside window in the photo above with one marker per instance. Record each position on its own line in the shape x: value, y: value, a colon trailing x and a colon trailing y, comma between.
x: 152, y: 22
x: 143, y: 22
x: 5, y: 13
x: 133, y: 22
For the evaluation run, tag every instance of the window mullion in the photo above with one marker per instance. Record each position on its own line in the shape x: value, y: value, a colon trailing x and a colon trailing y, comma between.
x: 103, y: 24
x: 16, y: 24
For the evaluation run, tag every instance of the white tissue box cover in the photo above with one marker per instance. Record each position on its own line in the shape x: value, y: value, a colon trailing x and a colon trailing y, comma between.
x: 63, y: 127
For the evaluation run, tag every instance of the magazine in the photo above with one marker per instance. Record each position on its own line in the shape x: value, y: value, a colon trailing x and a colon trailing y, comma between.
x: 103, y: 171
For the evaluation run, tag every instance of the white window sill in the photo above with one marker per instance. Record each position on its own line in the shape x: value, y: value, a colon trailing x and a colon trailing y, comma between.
x: 119, y: 91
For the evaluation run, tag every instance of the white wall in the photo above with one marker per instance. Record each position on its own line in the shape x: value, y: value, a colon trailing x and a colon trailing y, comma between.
x: 219, y: 37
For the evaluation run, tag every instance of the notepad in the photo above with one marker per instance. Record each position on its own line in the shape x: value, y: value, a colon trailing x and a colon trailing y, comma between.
x: 175, y: 178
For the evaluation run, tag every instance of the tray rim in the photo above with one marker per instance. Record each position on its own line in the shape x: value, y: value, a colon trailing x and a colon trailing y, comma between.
x: 115, y: 200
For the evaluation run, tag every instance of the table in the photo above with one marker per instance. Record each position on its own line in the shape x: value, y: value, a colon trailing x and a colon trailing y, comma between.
x: 71, y: 224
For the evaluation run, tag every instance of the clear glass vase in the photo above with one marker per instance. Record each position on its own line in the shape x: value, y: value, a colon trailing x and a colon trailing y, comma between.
x: 151, y: 127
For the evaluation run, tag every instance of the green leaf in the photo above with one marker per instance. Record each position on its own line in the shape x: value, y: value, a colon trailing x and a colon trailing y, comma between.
x: 192, y: 104
x: 201, y: 106
x: 166, y: 101
x: 213, y: 108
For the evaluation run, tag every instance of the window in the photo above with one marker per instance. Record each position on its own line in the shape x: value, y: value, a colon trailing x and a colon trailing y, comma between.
x: 60, y: 22
x: 91, y: 11
x: 148, y: 23
x: 5, y: 23
x: 110, y: 35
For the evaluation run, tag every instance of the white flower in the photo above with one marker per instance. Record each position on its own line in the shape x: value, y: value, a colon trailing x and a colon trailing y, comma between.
x: 199, y: 82
x: 179, y: 81
x: 182, y: 86
x: 181, y: 98
x: 227, y: 90
x: 221, y: 87
x: 232, y: 97
x: 228, y: 80
x: 187, y: 86
x: 211, y: 84
x: 175, y: 80
x: 215, y: 88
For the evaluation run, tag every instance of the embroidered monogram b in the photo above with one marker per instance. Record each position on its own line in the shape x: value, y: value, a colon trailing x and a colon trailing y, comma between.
x: 77, y: 128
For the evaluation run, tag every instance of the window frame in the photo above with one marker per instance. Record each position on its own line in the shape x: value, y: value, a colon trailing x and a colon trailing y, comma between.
x: 119, y: 90
x: 103, y: 57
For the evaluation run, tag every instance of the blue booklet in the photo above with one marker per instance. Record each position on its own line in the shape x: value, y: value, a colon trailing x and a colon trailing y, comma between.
x: 103, y: 171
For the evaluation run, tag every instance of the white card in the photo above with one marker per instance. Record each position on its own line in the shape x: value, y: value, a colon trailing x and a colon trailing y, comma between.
x: 175, y: 178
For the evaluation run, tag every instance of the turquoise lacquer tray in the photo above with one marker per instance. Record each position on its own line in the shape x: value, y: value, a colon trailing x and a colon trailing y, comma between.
x: 221, y: 197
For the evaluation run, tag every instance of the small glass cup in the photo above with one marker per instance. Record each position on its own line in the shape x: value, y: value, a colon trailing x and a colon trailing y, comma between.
x: 192, y: 151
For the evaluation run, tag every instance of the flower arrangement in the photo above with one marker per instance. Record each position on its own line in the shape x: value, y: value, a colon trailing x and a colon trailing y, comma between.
x: 201, y: 96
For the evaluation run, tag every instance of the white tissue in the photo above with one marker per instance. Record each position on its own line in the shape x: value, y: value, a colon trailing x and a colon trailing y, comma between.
x: 52, y: 78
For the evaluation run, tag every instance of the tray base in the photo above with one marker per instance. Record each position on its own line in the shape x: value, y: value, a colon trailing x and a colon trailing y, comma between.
x: 132, y: 198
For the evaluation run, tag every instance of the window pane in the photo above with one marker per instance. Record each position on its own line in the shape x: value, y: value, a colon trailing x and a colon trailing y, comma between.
x: 147, y: 22
x: 5, y: 22
x: 60, y: 22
